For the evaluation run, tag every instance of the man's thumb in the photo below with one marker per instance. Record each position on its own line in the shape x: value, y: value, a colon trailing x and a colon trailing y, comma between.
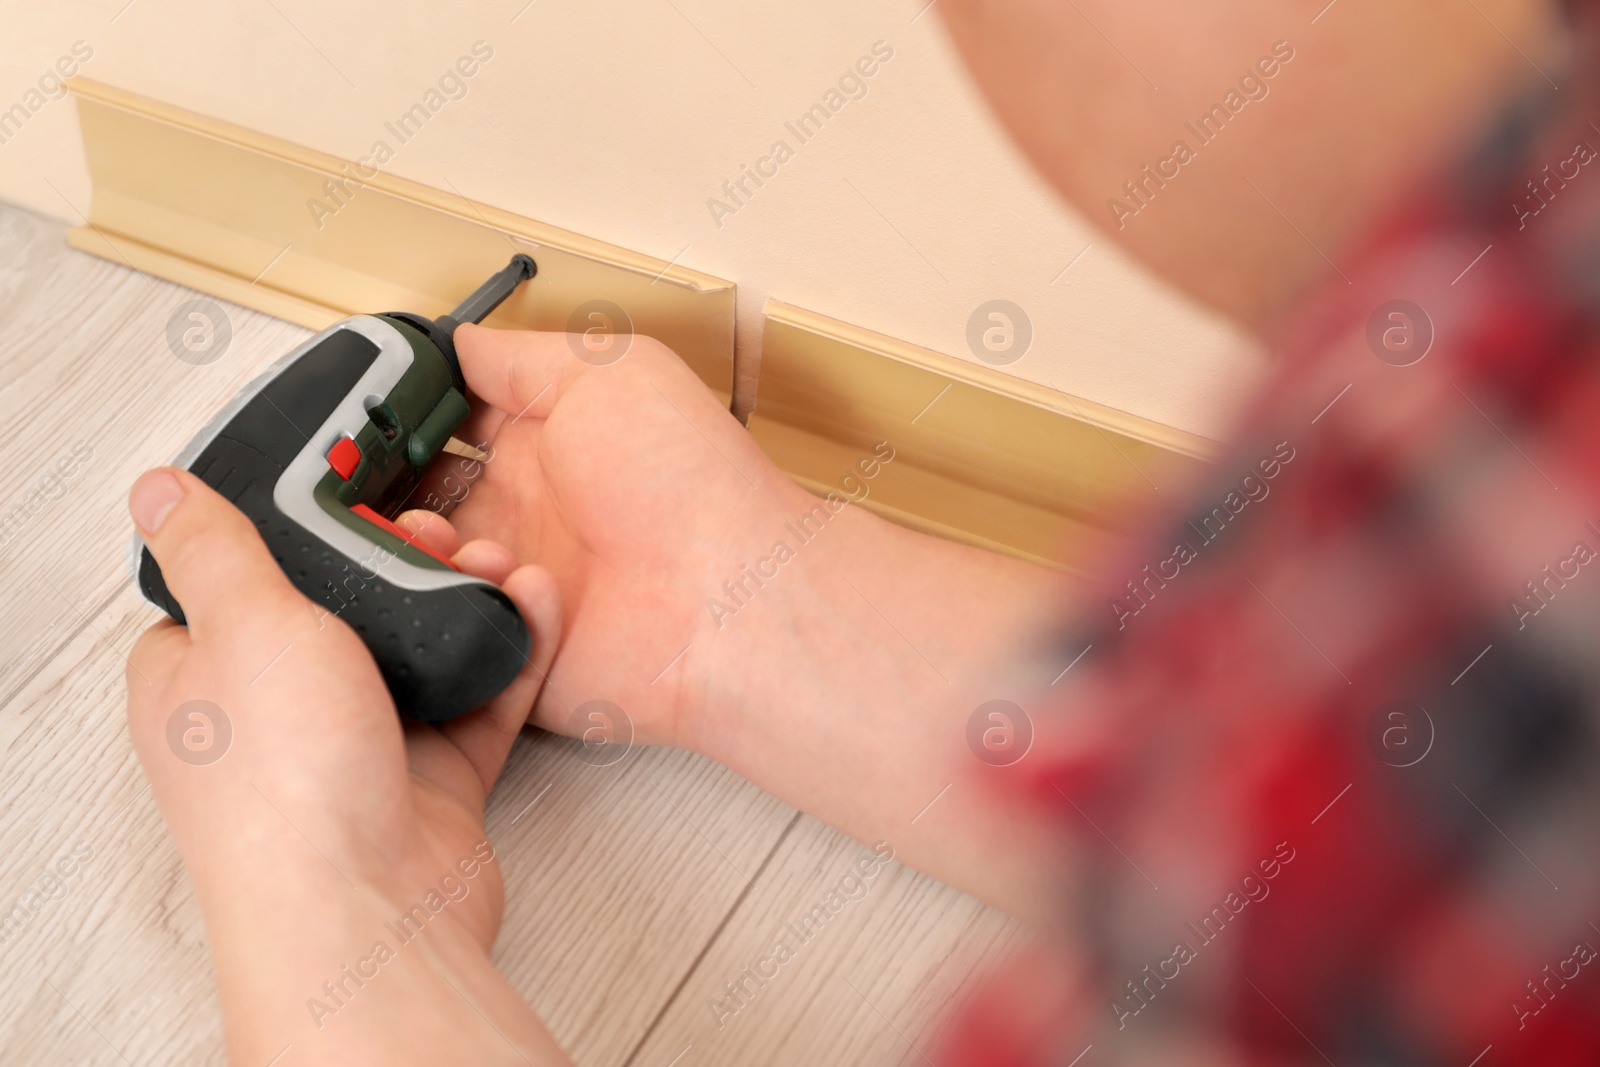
x: 210, y: 554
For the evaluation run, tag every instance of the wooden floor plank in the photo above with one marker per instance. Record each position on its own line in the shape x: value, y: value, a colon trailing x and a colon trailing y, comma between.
x: 815, y: 966
x: 88, y: 372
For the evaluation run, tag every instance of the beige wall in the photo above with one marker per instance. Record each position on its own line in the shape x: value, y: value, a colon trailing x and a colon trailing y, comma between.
x: 623, y: 118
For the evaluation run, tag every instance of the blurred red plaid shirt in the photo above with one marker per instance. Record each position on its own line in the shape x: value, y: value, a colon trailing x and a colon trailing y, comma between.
x: 1327, y: 772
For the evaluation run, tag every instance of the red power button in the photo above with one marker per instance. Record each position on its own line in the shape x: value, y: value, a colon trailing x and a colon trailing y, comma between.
x: 344, y: 457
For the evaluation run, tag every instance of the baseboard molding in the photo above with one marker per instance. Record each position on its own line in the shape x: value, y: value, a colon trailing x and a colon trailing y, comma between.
x: 227, y: 210
x: 981, y: 456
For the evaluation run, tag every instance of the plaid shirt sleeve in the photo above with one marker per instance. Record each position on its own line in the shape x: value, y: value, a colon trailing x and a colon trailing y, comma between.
x: 1327, y: 772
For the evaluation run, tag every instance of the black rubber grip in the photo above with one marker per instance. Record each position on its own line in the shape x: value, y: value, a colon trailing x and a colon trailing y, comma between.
x: 442, y: 652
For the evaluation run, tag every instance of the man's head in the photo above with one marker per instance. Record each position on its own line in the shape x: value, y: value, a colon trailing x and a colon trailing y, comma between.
x: 1300, y: 122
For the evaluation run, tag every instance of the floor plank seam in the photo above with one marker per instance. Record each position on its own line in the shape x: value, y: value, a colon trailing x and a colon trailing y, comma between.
x: 711, y: 941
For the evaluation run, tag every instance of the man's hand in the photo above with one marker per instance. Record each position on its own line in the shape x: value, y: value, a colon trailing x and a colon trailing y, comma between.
x: 634, y: 485
x: 838, y: 672
x: 311, y: 822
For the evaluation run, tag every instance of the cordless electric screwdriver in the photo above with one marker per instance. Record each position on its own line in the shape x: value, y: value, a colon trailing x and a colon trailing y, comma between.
x: 321, y: 451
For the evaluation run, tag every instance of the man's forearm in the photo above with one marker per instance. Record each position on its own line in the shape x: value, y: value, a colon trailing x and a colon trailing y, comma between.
x: 846, y: 686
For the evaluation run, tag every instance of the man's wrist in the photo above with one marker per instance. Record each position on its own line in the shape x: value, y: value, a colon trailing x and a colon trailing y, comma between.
x: 351, y: 972
x: 760, y: 631
x: 349, y: 956
x: 831, y: 623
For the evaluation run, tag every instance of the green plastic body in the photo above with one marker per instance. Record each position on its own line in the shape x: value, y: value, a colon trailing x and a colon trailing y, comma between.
x: 406, y: 430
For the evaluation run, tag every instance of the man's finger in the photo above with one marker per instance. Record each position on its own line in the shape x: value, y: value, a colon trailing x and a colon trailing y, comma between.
x: 210, y: 554
x: 521, y: 372
x: 449, y: 478
x: 489, y: 560
x: 432, y: 529
x: 485, y: 736
x: 154, y: 659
